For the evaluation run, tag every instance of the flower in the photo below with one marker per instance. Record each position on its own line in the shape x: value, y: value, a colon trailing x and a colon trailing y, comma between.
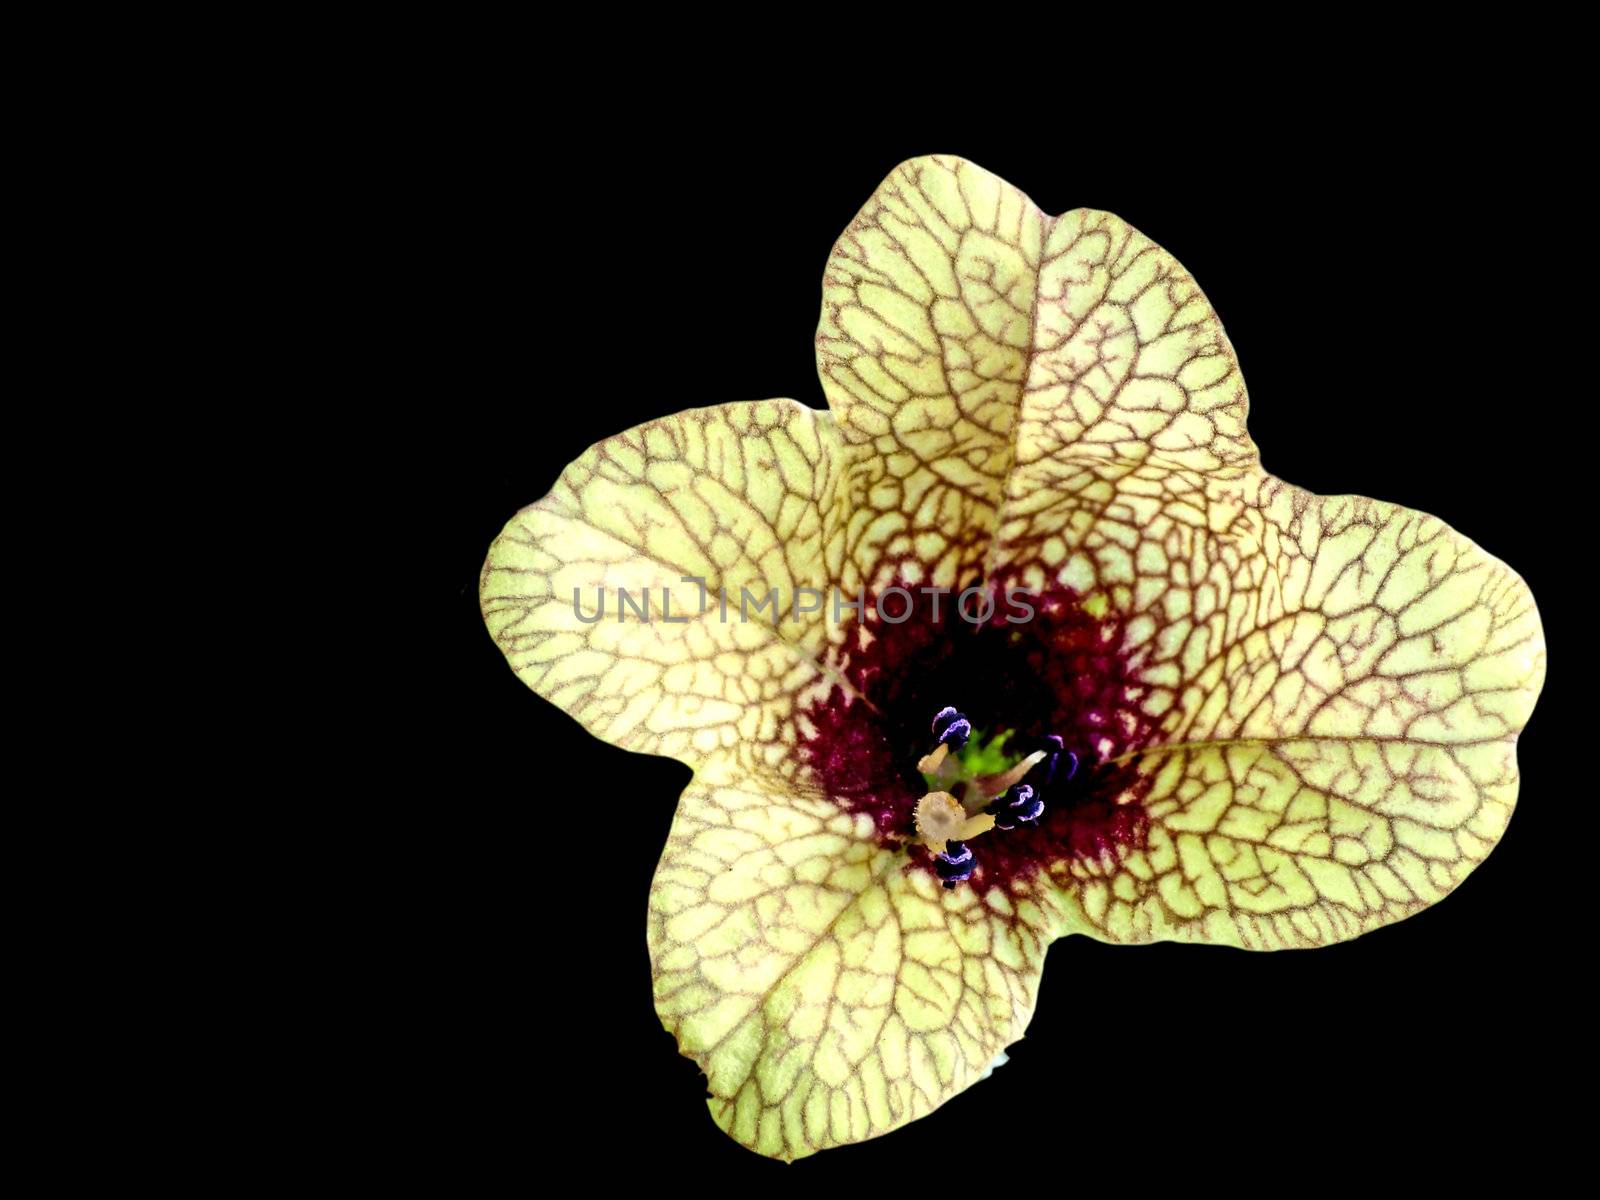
x: 1238, y: 713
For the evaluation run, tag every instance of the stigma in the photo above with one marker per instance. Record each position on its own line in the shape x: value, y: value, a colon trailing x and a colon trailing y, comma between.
x: 941, y: 818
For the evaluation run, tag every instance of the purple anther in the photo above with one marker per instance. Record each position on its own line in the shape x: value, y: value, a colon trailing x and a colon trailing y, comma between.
x: 1019, y: 806
x: 956, y: 864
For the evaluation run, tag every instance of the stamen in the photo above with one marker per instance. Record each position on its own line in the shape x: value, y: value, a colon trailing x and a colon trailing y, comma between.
x: 929, y: 764
x: 1072, y: 766
x: 989, y: 786
x: 956, y: 864
x: 1053, y: 743
x: 951, y: 728
x: 1056, y: 748
x: 1019, y: 806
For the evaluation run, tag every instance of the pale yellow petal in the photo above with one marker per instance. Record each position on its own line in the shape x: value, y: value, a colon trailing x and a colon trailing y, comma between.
x: 1343, y: 681
x: 743, y: 496
x: 967, y: 339
x: 829, y: 994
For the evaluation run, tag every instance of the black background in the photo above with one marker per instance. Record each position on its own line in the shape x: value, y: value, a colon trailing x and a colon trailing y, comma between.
x: 1373, y: 276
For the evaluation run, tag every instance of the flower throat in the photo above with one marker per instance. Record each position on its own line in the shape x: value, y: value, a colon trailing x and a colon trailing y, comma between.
x: 986, y: 754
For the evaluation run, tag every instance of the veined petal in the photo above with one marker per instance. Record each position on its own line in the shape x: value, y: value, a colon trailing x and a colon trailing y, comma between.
x: 829, y: 994
x: 742, y: 496
x: 967, y: 340
x: 1340, y: 684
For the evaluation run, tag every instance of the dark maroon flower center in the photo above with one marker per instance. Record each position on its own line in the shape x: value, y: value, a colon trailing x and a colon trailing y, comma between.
x: 1062, y: 674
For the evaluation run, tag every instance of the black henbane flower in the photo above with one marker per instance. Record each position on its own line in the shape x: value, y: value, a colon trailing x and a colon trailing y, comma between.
x: 1235, y: 712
